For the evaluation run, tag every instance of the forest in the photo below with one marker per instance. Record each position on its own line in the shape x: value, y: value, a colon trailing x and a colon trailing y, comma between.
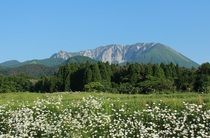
x: 132, y: 78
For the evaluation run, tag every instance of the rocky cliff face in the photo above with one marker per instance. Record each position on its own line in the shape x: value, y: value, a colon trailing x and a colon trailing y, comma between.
x: 117, y: 53
x: 111, y: 53
x: 62, y: 54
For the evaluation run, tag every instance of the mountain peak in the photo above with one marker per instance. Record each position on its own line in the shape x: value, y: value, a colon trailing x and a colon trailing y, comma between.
x: 61, y: 54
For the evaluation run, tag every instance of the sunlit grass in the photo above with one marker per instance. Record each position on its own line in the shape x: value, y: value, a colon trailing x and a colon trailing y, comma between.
x: 174, y: 100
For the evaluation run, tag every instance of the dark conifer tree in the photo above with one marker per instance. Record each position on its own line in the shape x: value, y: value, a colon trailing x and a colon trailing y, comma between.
x: 132, y: 74
x: 103, y: 71
x: 148, y: 69
x: 158, y: 71
x: 87, y: 75
x: 96, y: 75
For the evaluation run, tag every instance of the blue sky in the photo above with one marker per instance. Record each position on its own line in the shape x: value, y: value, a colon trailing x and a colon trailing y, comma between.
x: 37, y: 29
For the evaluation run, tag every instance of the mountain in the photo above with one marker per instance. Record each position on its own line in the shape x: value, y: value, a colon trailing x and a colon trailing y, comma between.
x: 64, y: 55
x: 34, y: 70
x: 157, y: 53
x: 47, y: 62
x: 10, y: 63
x: 120, y: 54
x: 79, y: 60
x: 140, y: 52
x: 2, y: 68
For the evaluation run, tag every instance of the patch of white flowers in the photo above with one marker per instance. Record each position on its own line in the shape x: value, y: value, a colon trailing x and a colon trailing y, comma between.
x: 93, y: 117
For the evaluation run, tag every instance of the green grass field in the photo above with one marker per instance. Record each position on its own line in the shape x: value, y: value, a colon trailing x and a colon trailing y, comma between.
x: 174, y: 100
x: 83, y: 115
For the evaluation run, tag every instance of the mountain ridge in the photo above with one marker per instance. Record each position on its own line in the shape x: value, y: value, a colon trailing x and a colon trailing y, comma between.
x: 120, y: 54
x: 33, y: 70
x: 10, y: 63
x: 37, y: 70
x: 139, y: 52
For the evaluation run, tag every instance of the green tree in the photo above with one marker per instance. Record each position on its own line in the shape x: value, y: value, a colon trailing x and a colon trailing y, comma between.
x: 87, y: 75
x: 158, y: 71
x: 148, y: 69
x: 186, y: 80
x: 67, y: 82
x: 96, y: 75
x: 202, y: 83
x: 94, y: 87
x: 103, y: 71
x: 132, y: 74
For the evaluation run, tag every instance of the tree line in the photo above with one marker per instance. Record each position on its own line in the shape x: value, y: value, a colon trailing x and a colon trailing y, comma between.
x: 131, y: 78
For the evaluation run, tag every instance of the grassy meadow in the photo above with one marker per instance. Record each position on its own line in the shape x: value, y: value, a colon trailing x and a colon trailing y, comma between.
x: 85, y: 114
x: 137, y: 101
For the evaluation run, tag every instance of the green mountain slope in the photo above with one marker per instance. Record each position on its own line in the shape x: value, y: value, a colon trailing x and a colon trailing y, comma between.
x: 34, y: 70
x: 2, y: 68
x: 10, y: 63
x: 79, y: 60
x: 47, y: 62
x: 160, y: 53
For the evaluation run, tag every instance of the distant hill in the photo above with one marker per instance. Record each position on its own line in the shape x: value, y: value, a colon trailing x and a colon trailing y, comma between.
x: 34, y: 70
x: 79, y: 60
x: 10, y: 63
x: 47, y: 62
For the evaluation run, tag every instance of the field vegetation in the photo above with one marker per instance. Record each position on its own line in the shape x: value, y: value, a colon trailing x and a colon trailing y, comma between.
x: 174, y: 100
x: 104, y: 115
